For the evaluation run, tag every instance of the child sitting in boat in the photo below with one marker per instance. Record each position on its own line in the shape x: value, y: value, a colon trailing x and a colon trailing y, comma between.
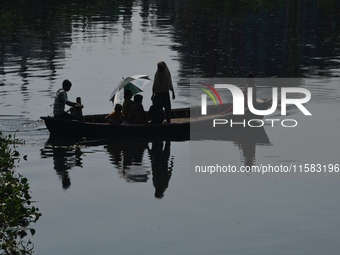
x: 137, y: 115
x: 116, y: 117
x: 156, y: 114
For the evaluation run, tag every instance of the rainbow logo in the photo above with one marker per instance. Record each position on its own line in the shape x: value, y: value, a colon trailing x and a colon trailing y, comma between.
x: 211, y: 91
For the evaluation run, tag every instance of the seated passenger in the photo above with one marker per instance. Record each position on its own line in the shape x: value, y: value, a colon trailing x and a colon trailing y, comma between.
x: 61, y: 100
x: 127, y: 102
x: 156, y: 114
x: 137, y: 115
x: 116, y: 117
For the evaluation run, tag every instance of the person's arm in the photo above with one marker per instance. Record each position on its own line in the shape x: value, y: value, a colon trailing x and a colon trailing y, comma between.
x: 173, y: 94
x: 69, y: 103
x: 153, y: 93
x: 171, y: 87
x: 153, y: 87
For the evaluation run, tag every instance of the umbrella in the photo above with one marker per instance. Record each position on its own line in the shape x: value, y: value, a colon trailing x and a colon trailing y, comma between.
x: 135, y: 83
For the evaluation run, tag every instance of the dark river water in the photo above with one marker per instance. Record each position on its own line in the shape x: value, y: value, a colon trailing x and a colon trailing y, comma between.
x: 142, y: 196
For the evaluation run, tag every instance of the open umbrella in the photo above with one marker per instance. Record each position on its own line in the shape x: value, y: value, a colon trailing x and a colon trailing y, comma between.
x: 135, y: 83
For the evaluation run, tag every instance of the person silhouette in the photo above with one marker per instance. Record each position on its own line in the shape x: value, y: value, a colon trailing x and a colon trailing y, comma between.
x: 161, y: 86
x: 61, y: 100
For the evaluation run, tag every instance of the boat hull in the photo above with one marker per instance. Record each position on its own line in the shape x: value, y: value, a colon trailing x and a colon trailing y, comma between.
x: 183, y: 121
x: 79, y: 128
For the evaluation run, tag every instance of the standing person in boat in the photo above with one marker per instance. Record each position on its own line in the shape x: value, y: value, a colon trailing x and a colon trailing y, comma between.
x: 127, y: 102
x: 61, y: 99
x: 161, y: 86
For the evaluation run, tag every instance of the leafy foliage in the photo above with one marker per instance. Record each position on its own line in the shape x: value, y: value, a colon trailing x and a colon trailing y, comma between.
x: 16, y: 211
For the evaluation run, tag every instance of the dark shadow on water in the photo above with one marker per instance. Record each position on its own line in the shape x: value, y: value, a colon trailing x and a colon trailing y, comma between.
x: 64, y: 159
x: 245, y: 139
x: 128, y: 155
x: 162, y: 165
x: 128, y: 158
x: 248, y: 150
x: 211, y: 38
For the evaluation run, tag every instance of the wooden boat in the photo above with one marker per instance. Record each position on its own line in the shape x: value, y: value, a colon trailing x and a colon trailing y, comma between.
x: 182, y: 120
x: 237, y: 135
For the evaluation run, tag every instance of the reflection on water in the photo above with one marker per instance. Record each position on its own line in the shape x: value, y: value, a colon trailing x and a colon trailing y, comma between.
x: 128, y: 157
x: 216, y: 146
x: 248, y: 152
x: 96, y: 42
x: 136, y: 159
x: 43, y: 42
x: 162, y: 165
x: 64, y: 159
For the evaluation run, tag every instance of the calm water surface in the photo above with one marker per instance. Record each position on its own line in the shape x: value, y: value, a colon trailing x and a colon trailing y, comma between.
x: 140, y: 197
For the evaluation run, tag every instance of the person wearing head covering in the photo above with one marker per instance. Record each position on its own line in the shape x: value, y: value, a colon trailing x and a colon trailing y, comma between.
x: 161, y: 86
x: 155, y: 113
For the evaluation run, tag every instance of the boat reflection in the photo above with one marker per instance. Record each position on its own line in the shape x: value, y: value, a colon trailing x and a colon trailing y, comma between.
x: 128, y: 158
x: 248, y: 150
x: 127, y: 155
x: 138, y: 160
x: 245, y: 139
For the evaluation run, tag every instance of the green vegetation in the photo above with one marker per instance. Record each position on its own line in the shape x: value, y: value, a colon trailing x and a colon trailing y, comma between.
x: 16, y: 211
